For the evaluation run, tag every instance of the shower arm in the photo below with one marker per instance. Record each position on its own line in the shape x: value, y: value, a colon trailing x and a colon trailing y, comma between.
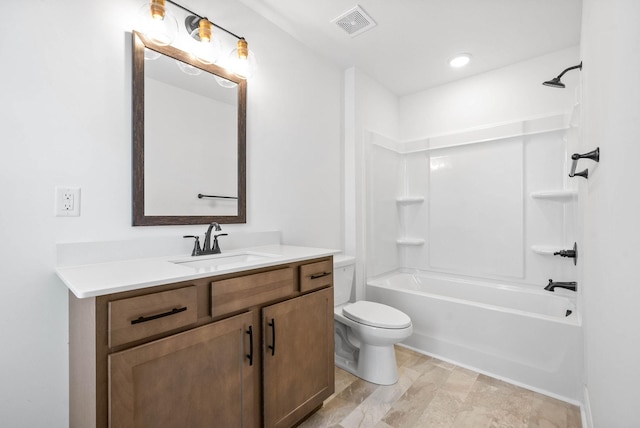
x: 569, y: 69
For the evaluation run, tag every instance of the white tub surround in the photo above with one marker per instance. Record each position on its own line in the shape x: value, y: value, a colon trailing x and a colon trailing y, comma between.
x: 479, y: 202
x: 528, y: 337
x: 98, y: 279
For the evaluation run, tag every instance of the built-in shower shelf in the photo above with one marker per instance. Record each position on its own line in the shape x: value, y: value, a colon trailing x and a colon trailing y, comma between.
x: 556, y: 195
x: 406, y: 200
x: 545, y: 249
x: 410, y: 241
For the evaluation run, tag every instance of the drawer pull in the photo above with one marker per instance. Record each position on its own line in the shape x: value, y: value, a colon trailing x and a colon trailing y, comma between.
x: 320, y: 275
x: 272, y: 324
x: 155, y: 317
x: 250, y: 355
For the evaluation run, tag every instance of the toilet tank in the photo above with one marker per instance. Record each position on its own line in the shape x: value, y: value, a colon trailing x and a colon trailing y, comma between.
x: 344, y: 269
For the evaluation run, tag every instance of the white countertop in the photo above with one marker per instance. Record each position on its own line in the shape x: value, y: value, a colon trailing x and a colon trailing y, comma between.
x: 105, y: 278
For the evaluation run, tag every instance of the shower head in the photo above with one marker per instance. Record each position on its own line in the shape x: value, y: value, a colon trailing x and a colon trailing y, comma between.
x: 555, y: 82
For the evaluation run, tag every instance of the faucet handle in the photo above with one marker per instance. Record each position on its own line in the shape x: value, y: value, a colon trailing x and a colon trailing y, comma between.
x: 196, y: 245
x: 216, y: 246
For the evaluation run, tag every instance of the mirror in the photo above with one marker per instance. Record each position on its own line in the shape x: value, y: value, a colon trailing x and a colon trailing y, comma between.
x: 189, y: 139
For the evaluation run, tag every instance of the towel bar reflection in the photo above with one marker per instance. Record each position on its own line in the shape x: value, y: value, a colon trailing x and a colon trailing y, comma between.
x: 593, y: 155
x: 200, y: 196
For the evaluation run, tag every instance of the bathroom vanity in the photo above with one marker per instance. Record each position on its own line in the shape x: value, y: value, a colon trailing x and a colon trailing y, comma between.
x: 235, y: 340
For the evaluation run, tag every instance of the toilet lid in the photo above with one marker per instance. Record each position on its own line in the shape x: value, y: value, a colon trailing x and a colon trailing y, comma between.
x: 376, y: 315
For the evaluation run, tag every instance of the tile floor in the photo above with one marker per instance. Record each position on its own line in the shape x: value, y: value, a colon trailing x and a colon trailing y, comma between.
x: 432, y: 393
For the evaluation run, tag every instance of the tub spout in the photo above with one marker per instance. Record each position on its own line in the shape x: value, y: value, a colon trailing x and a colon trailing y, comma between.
x: 572, y: 285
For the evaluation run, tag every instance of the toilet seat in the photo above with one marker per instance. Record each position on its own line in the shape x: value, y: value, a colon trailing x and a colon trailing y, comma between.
x: 376, y: 315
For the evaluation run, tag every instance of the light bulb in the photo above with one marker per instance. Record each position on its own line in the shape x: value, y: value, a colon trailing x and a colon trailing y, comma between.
x: 207, y: 48
x: 243, y: 61
x: 225, y: 83
x: 157, y: 23
x: 188, y: 68
x: 208, y: 52
x: 150, y: 54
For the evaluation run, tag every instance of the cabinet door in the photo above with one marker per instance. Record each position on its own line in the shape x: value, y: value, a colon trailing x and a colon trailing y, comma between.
x: 198, y: 378
x: 298, y: 357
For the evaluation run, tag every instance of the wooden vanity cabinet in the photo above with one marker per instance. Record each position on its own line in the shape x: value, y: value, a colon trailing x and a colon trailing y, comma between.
x: 298, y: 357
x: 201, y: 353
x: 197, y: 378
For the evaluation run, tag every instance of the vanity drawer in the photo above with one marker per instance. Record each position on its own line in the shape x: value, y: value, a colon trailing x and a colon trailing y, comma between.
x: 144, y: 316
x: 316, y: 275
x: 243, y: 292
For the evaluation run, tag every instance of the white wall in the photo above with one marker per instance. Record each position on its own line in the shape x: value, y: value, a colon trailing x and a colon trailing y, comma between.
x: 611, y: 203
x: 66, y: 120
x: 369, y: 107
x: 504, y: 95
x: 384, y: 176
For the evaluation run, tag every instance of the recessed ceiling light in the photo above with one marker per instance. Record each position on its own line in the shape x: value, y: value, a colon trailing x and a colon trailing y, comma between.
x: 460, y: 60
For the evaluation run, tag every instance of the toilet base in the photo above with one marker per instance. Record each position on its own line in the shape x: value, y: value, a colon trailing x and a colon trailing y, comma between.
x: 375, y: 364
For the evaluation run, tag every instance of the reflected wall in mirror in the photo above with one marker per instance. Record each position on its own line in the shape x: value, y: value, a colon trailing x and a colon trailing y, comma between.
x: 189, y: 130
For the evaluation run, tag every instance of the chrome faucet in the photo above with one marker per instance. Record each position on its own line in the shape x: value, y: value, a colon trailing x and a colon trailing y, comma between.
x: 207, y: 248
x: 572, y: 285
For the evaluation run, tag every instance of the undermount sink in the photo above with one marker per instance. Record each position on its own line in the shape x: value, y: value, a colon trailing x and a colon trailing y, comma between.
x: 223, y: 260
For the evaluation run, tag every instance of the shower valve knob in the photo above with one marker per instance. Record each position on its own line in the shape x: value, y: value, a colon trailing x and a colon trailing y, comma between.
x: 565, y: 253
x: 569, y: 253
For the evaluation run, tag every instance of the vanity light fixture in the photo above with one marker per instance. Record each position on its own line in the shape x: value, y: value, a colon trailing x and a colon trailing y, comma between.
x: 157, y: 23
x: 208, y: 46
x: 242, y: 60
x: 460, y: 60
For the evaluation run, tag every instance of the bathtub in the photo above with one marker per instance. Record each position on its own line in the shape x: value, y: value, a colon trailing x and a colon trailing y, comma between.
x: 531, y: 338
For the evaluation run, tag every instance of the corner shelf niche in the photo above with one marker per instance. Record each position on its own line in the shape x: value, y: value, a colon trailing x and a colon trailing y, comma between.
x: 546, y: 250
x: 407, y: 200
x: 415, y: 242
x: 556, y: 195
x: 404, y: 201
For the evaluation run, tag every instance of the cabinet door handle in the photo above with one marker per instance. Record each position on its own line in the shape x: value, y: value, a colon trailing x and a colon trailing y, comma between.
x: 320, y: 275
x: 250, y: 355
x: 162, y: 315
x: 272, y: 324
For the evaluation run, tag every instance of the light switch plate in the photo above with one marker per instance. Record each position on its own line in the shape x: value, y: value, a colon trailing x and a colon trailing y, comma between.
x: 67, y: 202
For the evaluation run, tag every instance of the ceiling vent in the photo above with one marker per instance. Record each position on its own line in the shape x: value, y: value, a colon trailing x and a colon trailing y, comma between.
x: 355, y: 21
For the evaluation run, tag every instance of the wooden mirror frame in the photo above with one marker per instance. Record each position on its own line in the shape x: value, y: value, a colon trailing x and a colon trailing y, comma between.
x: 140, y: 42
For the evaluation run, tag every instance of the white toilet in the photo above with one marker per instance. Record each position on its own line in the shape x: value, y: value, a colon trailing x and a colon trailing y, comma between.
x: 365, y: 332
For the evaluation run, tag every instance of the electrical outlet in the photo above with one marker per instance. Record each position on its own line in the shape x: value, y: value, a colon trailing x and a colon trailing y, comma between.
x: 67, y: 201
